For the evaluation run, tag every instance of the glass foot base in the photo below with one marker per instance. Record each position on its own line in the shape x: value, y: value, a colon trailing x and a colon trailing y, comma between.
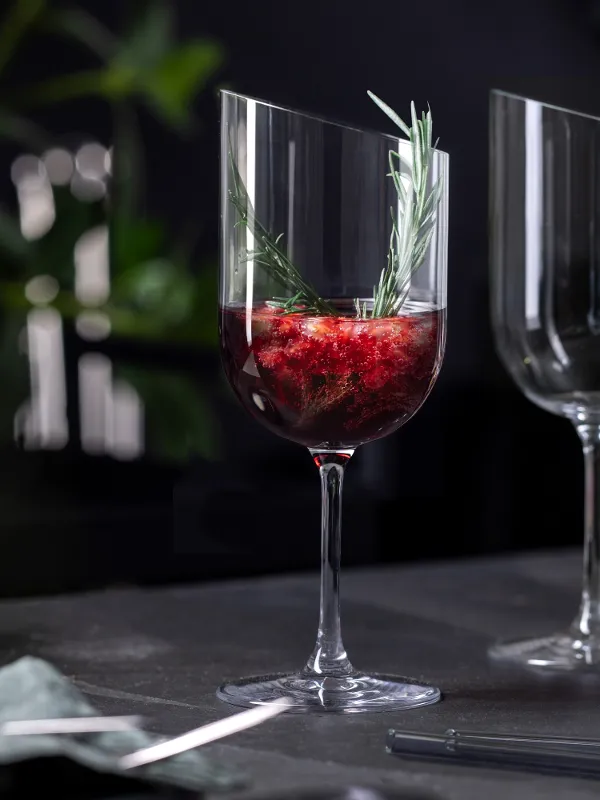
x: 348, y: 695
x: 565, y: 651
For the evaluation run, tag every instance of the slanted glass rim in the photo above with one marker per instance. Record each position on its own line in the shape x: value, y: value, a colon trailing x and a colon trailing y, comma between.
x: 494, y: 93
x: 325, y: 121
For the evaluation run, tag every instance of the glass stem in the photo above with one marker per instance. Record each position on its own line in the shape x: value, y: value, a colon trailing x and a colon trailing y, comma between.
x: 588, y: 619
x: 329, y: 657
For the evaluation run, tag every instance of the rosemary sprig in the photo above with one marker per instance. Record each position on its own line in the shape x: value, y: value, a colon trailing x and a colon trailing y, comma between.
x: 413, y: 230
x: 269, y: 255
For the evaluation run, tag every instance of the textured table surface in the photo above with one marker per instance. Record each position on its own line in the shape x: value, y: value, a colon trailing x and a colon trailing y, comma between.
x: 162, y: 652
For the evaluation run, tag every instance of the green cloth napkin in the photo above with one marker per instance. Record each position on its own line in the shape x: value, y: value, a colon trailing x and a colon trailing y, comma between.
x: 33, y: 689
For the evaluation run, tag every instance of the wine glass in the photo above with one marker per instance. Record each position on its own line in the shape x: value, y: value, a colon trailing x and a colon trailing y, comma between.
x: 314, y: 215
x: 545, y: 303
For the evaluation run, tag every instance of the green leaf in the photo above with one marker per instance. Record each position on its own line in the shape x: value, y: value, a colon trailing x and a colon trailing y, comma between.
x: 134, y: 241
x: 145, y: 284
x: 150, y: 39
x: 180, y: 421
x: 54, y: 251
x: 71, y: 86
x: 127, y: 184
x: 12, y: 242
x: 168, y: 84
x: 140, y: 55
x: 22, y: 131
x: 18, y: 19
x: 158, y: 287
x: 78, y: 24
x: 14, y: 369
x: 171, y: 87
x: 204, y: 310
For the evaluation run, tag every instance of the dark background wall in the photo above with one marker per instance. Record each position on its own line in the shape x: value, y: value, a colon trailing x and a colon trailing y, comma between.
x: 478, y: 470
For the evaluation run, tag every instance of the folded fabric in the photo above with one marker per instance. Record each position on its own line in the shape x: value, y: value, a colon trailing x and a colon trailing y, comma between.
x: 33, y: 689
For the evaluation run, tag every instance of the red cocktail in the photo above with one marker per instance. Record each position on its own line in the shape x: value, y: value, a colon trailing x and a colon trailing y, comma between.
x: 339, y: 381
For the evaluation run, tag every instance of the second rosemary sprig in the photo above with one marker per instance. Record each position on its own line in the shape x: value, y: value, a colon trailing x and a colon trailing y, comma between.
x: 269, y: 255
x: 413, y: 229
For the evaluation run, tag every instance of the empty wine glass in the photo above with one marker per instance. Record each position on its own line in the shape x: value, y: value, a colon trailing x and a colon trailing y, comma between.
x: 545, y: 302
x: 314, y: 216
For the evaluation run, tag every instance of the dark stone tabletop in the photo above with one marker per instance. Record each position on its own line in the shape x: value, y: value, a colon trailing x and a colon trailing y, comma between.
x: 162, y: 652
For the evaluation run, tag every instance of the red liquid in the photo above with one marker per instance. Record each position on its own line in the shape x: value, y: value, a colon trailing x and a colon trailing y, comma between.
x: 331, y: 382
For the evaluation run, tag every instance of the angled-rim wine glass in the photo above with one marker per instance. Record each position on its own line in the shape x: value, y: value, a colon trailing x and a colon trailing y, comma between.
x: 545, y: 304
x: 332, y: 326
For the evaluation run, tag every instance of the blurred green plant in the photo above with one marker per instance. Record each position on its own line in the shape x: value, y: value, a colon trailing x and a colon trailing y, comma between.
x: 156, y: 293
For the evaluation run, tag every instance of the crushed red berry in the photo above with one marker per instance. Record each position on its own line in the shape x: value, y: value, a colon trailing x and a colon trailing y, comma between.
x: 331, y: 380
